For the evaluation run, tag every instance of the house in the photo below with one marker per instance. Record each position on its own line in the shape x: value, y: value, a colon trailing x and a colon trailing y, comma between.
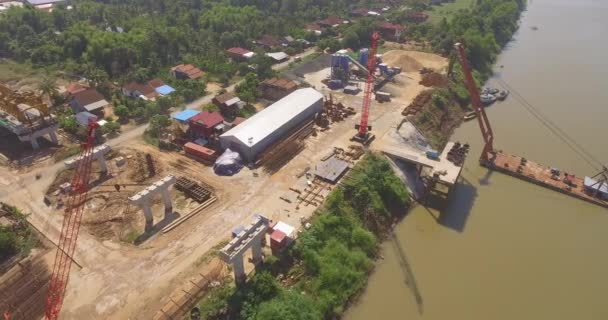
x: 359, y: 13
x: 229, y: 104
x: 160, y: 87
x: 44, y: 5
x: 207, y: 123
x: 390, y: 31
x: 186, y: 71
x: 278, y: 56
x: 275, y: 88
x: 305, y: 43
x: 314, y: 28
x: 239, y: 54
x: 286, y: 41
x: 417, y: 16
x: 88, y: 100
x: 268, y: 42
x: 139, y: 90
x: 184, y: 116
x: 74, y: 87
x: 330, y: 22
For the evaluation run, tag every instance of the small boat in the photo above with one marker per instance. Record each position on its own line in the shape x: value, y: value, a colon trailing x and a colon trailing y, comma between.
x: 493, y: 90
x: 487, y: 98
x: 534, y: 28
x: 470, y: 116
x: 502, y: 95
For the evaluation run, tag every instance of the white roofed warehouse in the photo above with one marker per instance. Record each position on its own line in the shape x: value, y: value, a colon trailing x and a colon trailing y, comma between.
x: 256, y: 134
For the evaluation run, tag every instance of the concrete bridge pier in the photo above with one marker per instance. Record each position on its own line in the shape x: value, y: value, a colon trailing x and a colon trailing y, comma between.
x: 144, y: 199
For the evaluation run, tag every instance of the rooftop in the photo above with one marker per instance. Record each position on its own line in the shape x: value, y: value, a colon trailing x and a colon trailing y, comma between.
x: 164, y: 90
x: 191, y: 71
x: 40, y: 2
x: 143, y: 88
x: 278, y: 56
x: 389, y: 26
x: 331, y: 21
x: 265, y: 122
x: 88, y: 96
x: 185, y: 115
x: 208, y: 119
x: 238, y: 51
x: 223, y: 98
x: 284, y: 84
x: 155, y: 83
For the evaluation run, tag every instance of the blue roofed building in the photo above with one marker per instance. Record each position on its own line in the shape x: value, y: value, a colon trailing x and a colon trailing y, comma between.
x: 164, y: 90
x: 184, y: 116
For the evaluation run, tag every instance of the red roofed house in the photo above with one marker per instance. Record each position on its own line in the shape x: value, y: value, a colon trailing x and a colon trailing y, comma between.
x: 389, y: 30
x: 239, y: 54
x: 417, y: 16
x: 268, y: 42
x: 330, y: 22
x: 186, y: 71
x: 137, y: 90
x: 207, y: 123
x: 155, y: 83
x: 314, y: 28
x: 74, y: 87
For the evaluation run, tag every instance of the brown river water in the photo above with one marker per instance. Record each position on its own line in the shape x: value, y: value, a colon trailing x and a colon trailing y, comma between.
x: 502, y: 248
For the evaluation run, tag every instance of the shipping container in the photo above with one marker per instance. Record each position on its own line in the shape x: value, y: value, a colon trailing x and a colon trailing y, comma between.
x: 196, y: 150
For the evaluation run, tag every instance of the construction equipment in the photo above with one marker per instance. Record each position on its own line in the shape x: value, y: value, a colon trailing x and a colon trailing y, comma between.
x: 364, y: 136
x: 484, y: 123
x: 70, y: 227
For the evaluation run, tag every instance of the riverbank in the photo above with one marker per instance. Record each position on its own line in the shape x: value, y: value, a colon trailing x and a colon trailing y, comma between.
x: 330, y: 262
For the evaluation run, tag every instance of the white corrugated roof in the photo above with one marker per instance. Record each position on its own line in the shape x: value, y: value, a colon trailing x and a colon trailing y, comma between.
x: 278, y: 56
x: 263, y: 123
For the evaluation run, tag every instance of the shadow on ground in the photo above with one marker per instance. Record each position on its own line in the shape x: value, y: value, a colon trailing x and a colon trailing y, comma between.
x: 157, y: 228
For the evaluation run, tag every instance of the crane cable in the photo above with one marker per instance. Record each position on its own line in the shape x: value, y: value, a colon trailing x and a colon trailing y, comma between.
x: 554, y: 128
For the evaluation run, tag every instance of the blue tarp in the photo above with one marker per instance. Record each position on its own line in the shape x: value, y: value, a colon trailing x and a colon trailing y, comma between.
x: 83, y: 118
x: 164, y: 90
x: 184, y: 116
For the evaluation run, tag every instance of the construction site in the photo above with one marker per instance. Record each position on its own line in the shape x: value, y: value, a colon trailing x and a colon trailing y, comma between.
x: 27, y: 127
x: 148, y: 216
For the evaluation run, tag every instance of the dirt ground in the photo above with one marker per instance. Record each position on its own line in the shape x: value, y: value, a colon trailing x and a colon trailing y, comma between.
x: 119, y: 280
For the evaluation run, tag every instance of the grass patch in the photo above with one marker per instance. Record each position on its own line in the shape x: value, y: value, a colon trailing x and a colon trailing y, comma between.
x: 131, y: 236
x: 13, y: 71
x: 211, y: 108
x: 67, y: 152
x: 212, y: 253
x: 436, y: 13
x: 150, y: 139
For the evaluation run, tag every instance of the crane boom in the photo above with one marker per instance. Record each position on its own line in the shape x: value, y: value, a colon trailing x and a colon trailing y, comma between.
x: 369, y: 85
x: 70, y: 227
x: 484, y: 123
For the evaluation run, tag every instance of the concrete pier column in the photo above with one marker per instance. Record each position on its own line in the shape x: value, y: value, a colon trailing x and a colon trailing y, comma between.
x: 167, y: 200
x: 256, y: 251
x: 53, y: 137
x: 34, y: 142
x: 148, y: 216
x: 102, y: 162
x: 239, y: 269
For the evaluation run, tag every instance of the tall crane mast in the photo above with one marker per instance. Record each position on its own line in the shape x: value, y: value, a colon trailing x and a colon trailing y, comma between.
x: 363, y: 133
x: 484, y: 123
x: 70, y: 227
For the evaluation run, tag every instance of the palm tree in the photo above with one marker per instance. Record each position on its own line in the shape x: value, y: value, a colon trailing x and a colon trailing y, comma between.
x: 48, y: 87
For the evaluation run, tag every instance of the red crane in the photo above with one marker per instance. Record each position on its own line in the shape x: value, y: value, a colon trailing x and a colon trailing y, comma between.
x: 484, y: 123
x: 69, y: 229
x: 363, y: 135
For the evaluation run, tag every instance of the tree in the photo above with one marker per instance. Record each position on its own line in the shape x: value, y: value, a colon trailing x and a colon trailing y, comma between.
x: 289, y: 306
x: 121, y: 112
x: 158, y: 123
x: 111, y: 127
x: 48, y: 87
x: 351, y: 40
x: 68, y: 122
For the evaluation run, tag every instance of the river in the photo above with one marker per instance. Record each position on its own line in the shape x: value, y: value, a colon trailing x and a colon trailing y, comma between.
x: 503, y: 248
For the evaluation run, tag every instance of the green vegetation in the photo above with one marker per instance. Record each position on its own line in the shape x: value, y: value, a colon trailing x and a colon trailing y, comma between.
x: 66, y: 152
x: 17, y: 238
x: 330, y: 261
x: 436, y: 13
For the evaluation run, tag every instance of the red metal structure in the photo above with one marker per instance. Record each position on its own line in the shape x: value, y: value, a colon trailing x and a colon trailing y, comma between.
x: 69, y: 229
x: 484, y: 123
x: 363, y: 128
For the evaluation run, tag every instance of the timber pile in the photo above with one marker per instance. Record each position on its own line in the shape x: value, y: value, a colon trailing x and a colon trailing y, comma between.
x: 23, y: 289
x: 284, y: 150
x: 192, y: 189
x: 418, y: 104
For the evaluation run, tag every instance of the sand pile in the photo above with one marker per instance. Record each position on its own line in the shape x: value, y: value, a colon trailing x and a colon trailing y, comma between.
x: 402, y: 59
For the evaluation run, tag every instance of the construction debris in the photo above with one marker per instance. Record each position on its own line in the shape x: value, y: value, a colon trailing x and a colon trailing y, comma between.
x: 192, y: 189
x: 333, y: 112
x: 419, y: 102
